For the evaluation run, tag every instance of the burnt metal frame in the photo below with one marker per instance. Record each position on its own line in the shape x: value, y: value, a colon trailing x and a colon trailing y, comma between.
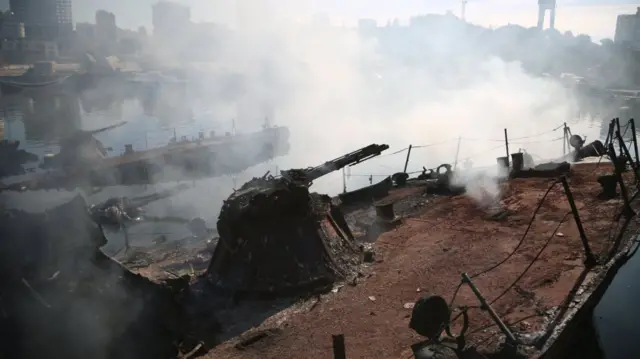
x: 627, y: 211
x: 590, y: 260
x: 632, y: 123
x: 625, y: 151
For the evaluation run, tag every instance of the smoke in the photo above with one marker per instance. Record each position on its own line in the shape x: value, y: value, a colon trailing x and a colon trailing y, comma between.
x: 338, y: 89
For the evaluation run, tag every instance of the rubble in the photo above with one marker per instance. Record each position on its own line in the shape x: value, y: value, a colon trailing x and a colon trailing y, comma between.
x: 12, y: 158
x: 61, y: 294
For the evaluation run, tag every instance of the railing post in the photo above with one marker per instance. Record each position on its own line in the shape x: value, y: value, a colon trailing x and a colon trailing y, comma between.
x: 624, y: 151
x: 627, y: 211
x: 632, y: 122
x: 506, y: 145
x: 406, y: 162
x: 590, y: 259
x: 620, y: 131
x: 565, y: 139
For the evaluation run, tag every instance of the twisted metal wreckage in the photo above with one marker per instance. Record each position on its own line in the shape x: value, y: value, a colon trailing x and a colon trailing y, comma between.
x: 54, y: 273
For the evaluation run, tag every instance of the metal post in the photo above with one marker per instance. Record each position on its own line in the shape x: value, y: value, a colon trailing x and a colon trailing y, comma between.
x: 455, y: 162
x: 406, y: 162
x: 626, y: 211
x: 486, y: 306
x: 609, y: 134
x: 344, y: 181
x: 625, y: 151
x: 590, y: 259
x: 635, y: 141
x: 564, y: 140
x: 506, y: 145
x: 618, y: 130
x: 339, y: 351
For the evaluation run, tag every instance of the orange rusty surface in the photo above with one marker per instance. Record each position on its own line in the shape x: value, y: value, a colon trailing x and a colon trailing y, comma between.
x: 427, y: 254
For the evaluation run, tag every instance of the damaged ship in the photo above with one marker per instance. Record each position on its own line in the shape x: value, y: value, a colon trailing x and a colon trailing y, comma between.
x: 277, y: 237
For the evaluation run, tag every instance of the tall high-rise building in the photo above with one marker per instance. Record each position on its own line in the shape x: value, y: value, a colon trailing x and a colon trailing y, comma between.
x: 106, y: 32
x: 169, y: 19
x: 44, y: 19
x: 628, y: 30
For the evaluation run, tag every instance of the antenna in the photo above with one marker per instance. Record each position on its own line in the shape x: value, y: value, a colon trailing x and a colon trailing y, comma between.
x: 464, y: 8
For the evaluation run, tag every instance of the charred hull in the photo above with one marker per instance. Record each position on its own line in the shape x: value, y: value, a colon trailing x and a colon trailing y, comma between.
x: 276, y: 237
x: 282, y: 248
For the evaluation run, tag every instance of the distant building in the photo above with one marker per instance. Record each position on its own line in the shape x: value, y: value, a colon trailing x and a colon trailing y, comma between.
x: 44, y: 19
x: 21, y: 51
x: 628, y: 30
x: 170, y: 19
x: 106, y: 32
x: 85, y: 40
x: 11, y: 28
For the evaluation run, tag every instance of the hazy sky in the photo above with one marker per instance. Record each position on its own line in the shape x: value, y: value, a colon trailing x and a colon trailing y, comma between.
x: 594, y: 17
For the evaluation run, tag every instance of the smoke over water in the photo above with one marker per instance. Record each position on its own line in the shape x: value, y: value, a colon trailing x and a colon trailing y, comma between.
x: 338, y: 90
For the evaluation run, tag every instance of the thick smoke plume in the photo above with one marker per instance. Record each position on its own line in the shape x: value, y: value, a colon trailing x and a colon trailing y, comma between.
x: 339, y: 89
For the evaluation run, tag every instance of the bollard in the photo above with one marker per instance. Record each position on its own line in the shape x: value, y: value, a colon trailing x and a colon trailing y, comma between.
x: 339, y: 351
x: 384, y: 211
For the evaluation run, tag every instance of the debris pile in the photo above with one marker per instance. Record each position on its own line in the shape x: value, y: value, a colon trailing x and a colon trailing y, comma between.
x: 276, y: 236
x: 12, y: 158
x: 60, y: 294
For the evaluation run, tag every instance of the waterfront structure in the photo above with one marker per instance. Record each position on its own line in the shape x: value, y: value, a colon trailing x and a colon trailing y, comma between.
x: 543, y: 7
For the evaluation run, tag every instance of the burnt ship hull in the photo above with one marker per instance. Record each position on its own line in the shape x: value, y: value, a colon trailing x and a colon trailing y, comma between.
x: 195, y: 162
x: 177, y: 162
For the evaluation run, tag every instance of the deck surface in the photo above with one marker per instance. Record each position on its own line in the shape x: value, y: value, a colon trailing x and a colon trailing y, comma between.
x: 426, y: 255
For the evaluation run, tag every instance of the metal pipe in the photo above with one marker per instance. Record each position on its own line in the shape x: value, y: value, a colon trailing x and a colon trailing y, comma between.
x: 590, y: 259
x: 486, y: 306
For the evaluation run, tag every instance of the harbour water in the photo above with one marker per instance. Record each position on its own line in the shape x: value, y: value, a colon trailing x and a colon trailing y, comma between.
x: 616, y: 317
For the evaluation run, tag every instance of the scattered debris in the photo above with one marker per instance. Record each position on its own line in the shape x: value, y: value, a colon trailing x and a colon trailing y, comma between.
x: 252, y: 338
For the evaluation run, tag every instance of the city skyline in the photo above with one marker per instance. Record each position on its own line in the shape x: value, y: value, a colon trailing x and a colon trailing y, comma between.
x: 596, y: 18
